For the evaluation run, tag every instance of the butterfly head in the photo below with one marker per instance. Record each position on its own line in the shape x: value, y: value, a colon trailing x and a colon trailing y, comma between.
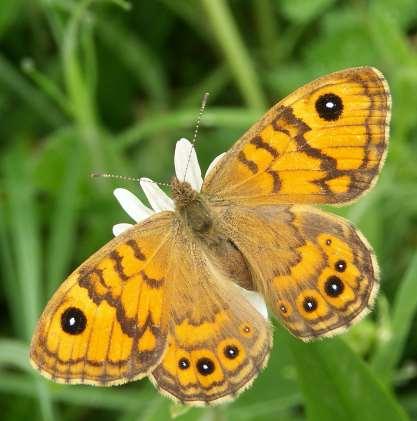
x: 182, y: 193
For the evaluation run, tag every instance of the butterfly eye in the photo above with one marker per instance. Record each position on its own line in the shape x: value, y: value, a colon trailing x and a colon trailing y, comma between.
x: 334, y: 286
x: 231, y: 351
x: 309, y: 304
x: 184, y: 363
x: 340, y: 266
x: 73, y: 321
x: 329, y: 106
x: 205, y: 366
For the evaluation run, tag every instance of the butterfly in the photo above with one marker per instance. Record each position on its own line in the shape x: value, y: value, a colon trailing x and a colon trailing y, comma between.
x: 165, y: 299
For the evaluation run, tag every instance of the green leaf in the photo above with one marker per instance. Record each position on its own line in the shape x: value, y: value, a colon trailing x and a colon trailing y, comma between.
x: 213, y: 117
x: 63, y: 220
x: 393, y: 341
x: 235, y: 53
x: 274, y: 391
x: 338, y: 385
x: 24, y: 234
x: 27, y: 251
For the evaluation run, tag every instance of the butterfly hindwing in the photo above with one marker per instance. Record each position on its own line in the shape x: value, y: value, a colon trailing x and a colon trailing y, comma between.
x: 106, y: 324
x: 324, y: 143
x: 217, y: 341
x: 316, y: 271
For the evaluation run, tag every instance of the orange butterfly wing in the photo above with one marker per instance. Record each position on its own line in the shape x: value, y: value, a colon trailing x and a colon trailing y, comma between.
x: 106, y: 324
x: 324, y: 143
x: 217, y: 342
x: 317, y: 272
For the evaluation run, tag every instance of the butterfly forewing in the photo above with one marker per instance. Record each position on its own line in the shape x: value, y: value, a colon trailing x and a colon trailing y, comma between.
x: 107, y: 322
x: 324, y: 143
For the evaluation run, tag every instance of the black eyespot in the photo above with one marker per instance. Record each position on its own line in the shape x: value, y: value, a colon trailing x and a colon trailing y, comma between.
x: 231, y: 351
x: 246, y: 329
x: 205, y: 366
x: 340, y: 266
x: 183, y: 363
x: 73, y: 321
x: 283, y: 308
x: 328, y: 242
x: 329, y: 107
x: 334, y: 286
x: 309, y: 304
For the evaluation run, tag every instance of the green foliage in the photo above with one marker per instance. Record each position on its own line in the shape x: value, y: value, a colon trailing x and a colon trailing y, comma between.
x: 109, y: 86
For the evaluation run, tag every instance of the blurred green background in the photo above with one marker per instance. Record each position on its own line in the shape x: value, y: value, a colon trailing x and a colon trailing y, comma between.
x: 110, y: 86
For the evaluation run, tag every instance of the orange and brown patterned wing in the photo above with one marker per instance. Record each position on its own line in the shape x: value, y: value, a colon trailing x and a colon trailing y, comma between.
x: 317, y: 272
x: 106, y: 324
x: 324, y: 143
x: 217, y: 342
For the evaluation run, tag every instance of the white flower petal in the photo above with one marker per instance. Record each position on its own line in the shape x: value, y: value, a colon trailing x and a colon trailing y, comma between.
x: 257, y: 301
x: 214, y: 163
x: 120, y: 228
x: 132, y: 205
x: 157, y: 198
x: 185, y: 154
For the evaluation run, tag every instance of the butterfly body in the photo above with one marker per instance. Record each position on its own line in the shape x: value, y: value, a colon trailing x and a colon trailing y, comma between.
x: 194, y: 211
x: 170, y: 298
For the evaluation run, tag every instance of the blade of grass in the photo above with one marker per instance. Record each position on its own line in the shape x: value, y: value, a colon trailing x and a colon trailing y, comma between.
x: 25, y: 239
x: 14, y: 353
x: 235, y: 53
x: 46, y: 85
x: 8, y: 273
x: 63, y: 222
x: 26, y: 246
x: 266, y: 408
x: 390, y: 348
x: 79, y: 93
x: 86, y: 396
x: 12, y: 80
x: 218, y: 117
x: 266, y: 22
x: 88, y: 49
x: 338, y: 385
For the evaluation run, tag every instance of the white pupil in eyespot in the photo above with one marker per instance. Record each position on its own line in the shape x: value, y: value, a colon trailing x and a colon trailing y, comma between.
x: 329, y: 104
x: 72, y: 321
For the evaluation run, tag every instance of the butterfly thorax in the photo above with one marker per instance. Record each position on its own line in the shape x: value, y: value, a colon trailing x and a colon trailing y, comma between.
x: 191, y: 207
x: 194, y: 210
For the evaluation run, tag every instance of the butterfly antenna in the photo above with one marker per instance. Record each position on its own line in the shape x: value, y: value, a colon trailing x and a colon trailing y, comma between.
x: 124, y: 177
x: 197, y: 126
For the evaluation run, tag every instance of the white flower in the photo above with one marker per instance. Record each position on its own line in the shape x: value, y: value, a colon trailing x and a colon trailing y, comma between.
x: 187, y: 169
x: 159, y: 201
